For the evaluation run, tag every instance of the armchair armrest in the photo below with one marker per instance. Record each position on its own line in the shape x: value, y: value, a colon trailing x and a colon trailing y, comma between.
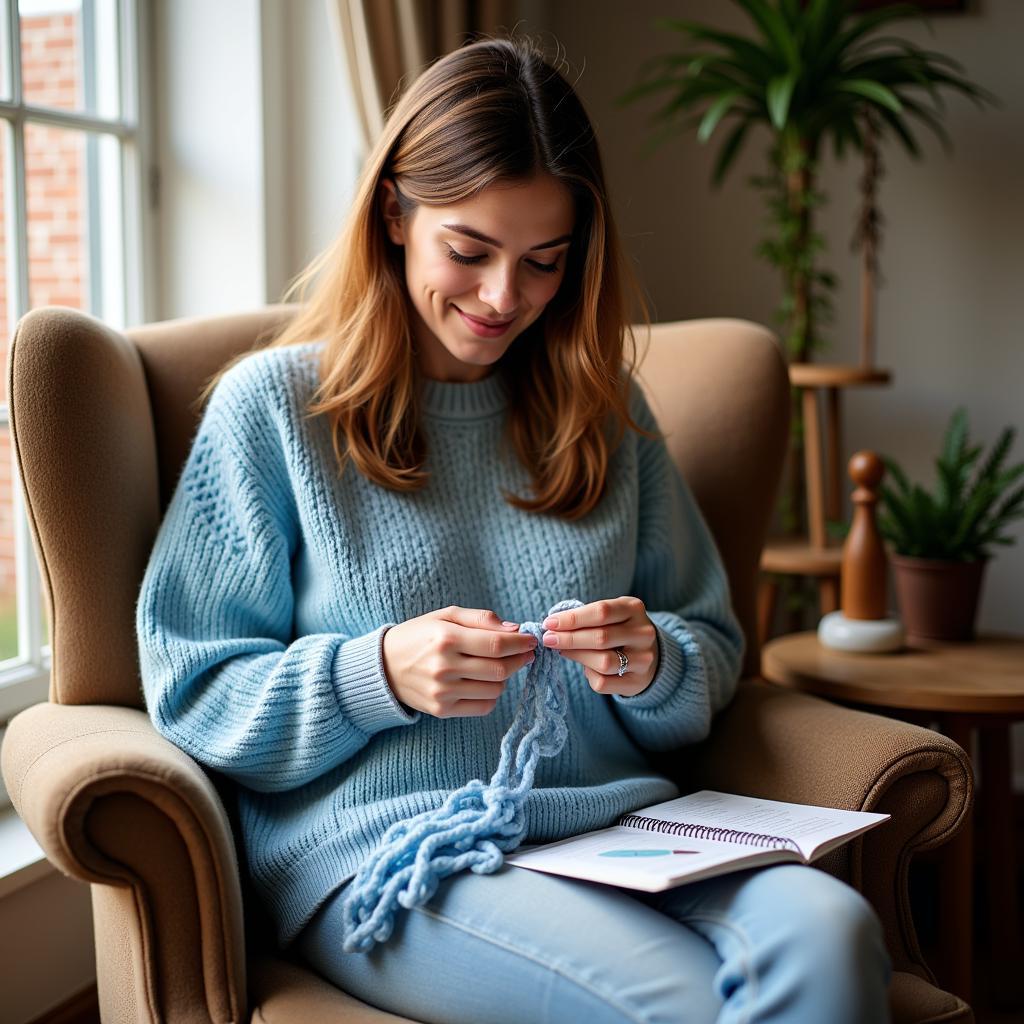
x: 784, y: 745
x: 113, y: 803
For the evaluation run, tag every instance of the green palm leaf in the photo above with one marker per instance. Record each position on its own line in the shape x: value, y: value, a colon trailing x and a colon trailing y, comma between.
x: 729, y: 151
x: 780, y: 92
x: 874, y: 91
x: 774, y: 27
x: 750, y: 54
x: 823, y: 22
x: 902, y: 132
x: 715, y: 113
x: 842, y: 42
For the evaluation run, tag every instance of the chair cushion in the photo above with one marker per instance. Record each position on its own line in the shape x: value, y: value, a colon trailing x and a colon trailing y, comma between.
x: 285, y: 992
x: 914, y: 1001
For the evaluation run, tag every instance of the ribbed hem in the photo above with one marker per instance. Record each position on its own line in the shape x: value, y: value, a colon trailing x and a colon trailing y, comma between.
x: 666, y: 679
x: 362, y: 687
x: 465, y: 400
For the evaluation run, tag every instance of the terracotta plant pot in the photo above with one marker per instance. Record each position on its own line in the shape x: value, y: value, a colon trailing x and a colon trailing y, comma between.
x: 938, y: 600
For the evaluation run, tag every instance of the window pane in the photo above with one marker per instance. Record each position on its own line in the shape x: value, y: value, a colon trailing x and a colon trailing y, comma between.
x: 6, y: 91
x: 8, y: 582
x: 75, y: 242
x: 5, y: 241
x: 8, y: 586
x: 69, y: 55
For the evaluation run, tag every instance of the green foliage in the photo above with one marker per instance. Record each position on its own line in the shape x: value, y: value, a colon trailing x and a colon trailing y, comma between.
x: 809, y: 69
x: 792, y: 247
x: 963, y: 518
x: 808, y: 72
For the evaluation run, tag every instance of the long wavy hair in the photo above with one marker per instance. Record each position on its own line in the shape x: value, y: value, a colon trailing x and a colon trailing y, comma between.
x: 494, y: 111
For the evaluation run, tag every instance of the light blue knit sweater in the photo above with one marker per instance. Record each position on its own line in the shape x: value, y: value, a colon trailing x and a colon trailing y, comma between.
x: 271, y: 583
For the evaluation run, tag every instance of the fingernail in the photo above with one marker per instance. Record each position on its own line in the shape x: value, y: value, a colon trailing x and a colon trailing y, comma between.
x: 550, y: 622
x: 516, y: 624
x: 550, y: 639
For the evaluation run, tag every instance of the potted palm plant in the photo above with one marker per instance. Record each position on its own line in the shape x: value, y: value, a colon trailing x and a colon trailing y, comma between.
x: 812, y: 72
x: 941, y: 542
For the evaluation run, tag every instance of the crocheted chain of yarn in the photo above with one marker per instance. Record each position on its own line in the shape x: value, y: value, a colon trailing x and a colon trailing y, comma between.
x: 475, y: 826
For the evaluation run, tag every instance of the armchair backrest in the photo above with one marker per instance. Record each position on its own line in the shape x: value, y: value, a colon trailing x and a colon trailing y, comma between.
x: 719, y: 389
x: 102, y: 421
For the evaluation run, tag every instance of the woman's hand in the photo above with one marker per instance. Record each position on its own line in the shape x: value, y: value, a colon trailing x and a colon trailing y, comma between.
x: 453, y: 662
x: 590, y: 634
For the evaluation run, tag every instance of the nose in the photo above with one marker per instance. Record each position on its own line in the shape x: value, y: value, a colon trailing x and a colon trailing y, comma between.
x: 500, y: 291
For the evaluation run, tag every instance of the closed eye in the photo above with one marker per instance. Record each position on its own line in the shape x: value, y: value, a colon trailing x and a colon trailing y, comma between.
x: 458, y: 257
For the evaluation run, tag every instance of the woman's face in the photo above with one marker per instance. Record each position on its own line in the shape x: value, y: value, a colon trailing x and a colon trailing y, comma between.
x: 497, y: 257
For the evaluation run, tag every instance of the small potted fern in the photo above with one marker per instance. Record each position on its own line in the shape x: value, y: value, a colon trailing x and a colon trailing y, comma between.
x: 942, y: 542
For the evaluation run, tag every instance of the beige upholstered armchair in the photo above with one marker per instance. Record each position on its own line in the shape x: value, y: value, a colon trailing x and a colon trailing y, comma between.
x: 102, y: 422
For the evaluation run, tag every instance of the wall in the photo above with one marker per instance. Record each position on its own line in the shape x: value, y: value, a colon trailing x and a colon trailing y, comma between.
x: 257, y: 149
x: 951, y: 306
x: 323, y: 138
x: 210, y: 155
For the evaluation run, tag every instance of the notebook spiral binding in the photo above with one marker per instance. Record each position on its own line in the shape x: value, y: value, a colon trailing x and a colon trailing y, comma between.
x: 682, y: 828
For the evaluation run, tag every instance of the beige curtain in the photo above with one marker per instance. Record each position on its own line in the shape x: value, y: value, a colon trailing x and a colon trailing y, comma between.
x: 386, y: 43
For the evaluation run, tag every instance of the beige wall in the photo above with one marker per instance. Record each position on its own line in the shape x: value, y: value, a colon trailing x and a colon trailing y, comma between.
x: 951, y: 310
x: 254, y: 185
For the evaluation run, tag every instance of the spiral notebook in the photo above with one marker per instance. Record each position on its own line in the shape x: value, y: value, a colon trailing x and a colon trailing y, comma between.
x: 697, y: 836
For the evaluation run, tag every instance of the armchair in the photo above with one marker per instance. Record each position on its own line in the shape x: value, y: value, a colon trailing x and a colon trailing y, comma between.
x: 102, y: 421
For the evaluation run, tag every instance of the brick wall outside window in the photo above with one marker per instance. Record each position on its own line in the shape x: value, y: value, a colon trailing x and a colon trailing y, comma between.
x: 57, y: 229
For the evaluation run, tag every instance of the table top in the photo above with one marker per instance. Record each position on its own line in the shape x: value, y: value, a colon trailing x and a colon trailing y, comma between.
x: 830, y: 375
x: 985, y: 675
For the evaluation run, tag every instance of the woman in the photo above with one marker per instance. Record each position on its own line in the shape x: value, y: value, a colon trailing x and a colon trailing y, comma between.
x: 445, y: 442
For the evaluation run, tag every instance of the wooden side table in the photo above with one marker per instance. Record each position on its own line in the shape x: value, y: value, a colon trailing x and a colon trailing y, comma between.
x: 815, y: 555
x: 962, y: 687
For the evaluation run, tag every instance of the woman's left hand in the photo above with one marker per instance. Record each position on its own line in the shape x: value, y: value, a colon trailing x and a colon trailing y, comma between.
x: 591, y: 633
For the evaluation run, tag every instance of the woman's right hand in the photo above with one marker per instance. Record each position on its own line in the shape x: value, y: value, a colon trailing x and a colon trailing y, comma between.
x: 454, y: 662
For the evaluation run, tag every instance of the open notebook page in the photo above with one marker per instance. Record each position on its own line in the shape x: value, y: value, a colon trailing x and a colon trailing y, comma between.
x: 815, y: 830
x: 643, y: 860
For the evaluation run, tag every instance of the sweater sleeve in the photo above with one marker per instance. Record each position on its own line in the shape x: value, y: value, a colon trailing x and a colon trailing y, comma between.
x: 223, y: 676
x: 680, y: 577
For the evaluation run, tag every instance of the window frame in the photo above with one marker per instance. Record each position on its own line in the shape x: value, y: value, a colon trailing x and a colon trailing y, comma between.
x: 25, y: 678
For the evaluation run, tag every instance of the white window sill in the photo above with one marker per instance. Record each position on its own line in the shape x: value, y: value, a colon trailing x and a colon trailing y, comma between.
x: 21, y: 858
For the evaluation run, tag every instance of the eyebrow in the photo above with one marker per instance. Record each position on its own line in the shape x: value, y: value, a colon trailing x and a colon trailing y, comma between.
x: 465, y: 229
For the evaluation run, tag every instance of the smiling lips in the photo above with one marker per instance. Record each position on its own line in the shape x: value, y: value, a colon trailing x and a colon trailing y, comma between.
x: 484, y: 328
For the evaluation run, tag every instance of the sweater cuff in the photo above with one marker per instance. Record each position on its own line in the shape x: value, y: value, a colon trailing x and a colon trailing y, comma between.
x: 361, y: 684
x: 670, y: 670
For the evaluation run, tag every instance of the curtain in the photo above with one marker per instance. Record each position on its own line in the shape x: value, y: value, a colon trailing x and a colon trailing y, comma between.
x: 386, y: 43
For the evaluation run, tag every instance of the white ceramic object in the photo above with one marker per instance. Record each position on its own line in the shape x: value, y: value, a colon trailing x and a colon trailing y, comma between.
x: 865, y: 636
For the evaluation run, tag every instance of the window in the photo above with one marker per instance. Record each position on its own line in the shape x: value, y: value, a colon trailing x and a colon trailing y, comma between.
x: 73, y: 153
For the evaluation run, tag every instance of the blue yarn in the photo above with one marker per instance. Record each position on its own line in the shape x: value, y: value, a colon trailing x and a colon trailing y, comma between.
x: 475, y: 825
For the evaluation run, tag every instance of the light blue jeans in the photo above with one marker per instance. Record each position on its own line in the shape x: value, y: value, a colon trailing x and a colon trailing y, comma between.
x: 786, y: 943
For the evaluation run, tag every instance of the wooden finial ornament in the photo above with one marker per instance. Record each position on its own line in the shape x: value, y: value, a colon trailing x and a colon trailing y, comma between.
x: 862, y: 624
x: 863, y: 580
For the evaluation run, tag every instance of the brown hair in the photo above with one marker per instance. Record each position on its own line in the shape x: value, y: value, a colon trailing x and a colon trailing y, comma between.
x: 492, y: 112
